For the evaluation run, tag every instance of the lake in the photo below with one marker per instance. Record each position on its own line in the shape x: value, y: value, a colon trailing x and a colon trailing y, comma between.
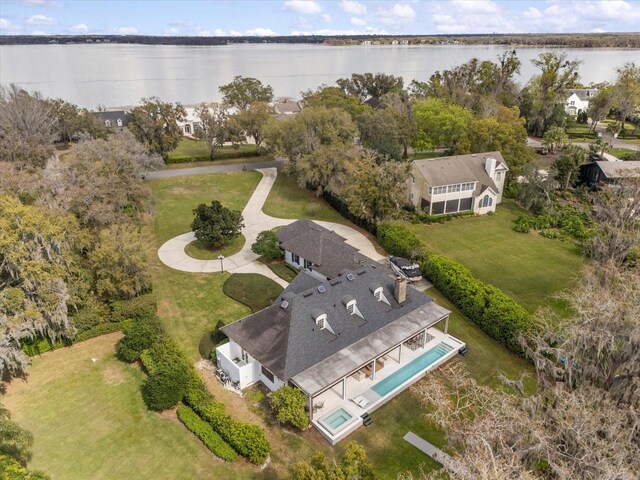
x: 119, y: 74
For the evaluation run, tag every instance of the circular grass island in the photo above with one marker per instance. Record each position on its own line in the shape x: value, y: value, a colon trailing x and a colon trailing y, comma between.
x: 199, y: 251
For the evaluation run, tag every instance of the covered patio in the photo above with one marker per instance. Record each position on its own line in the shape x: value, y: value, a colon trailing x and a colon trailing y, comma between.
x: 360, y: 385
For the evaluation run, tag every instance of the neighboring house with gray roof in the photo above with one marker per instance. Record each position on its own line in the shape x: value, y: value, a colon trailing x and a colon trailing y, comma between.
x: 116, y: 119
x: 349, y: 344
x: 460, y: 183
x: 598, y: 173
x: 578, y: 100
x: 320, y: 251
x: 287, y: 107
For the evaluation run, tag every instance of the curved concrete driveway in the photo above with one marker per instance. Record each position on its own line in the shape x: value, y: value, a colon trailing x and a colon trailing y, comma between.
x: 172, y: 252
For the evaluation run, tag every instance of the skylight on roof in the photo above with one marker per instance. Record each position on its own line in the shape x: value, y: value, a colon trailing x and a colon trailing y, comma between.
x: 350, y: 276
x: 284, y: 304
x: 321, y: 289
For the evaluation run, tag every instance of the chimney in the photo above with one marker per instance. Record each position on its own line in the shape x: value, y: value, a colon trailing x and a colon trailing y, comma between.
x: 400, y: 292
x: 490, y: 166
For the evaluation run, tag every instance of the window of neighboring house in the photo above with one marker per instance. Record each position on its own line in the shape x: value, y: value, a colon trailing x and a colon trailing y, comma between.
x: 453, y: 188
x: 487, y: 201
x: 498, y: 176
x: 107, y: 123
x: 245, y: 356
x: 307, y: 264
x: 267, y: 374
x: 295, y: 258
x: 413, y: 179
x: 411, y: 196
x: 572, y: 102
x: 119, y: 122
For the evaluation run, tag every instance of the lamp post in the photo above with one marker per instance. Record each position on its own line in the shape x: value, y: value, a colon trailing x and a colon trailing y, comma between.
x: 221, y: 257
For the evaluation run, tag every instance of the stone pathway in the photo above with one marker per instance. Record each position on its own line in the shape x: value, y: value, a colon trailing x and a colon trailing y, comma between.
x: 438, y: 455
x: 173, y: 255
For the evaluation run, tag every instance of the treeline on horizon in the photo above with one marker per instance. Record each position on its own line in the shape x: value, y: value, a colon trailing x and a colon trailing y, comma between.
x: 577, y: 40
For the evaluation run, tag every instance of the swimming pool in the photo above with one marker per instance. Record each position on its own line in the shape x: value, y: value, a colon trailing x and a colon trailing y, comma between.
x: 410, y: 369
x: 335, y: 419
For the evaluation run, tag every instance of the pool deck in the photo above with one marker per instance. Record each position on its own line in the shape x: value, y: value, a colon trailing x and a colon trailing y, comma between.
x: 356, y: 390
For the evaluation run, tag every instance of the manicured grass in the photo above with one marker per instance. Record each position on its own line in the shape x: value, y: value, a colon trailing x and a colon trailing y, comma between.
x: 198, y: 148
x: 88, y: 419
x: 284, y: 271
x: 288, y: 200
x: 252, y: 289
x: 580, y: 132
x: 625, y: 153
x: 528, y: 267
x: 197, y: 250
x: 191, y: 305
x: 176, y: 198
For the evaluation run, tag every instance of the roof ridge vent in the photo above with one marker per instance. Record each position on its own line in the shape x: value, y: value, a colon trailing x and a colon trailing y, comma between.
x: 333, y: 283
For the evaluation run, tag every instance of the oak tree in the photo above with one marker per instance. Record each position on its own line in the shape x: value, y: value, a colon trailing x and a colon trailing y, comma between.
x: 215, y: 225
x: 243, y: 91
x: 155, y: 125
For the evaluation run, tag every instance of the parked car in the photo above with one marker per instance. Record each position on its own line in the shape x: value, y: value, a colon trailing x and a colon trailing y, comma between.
x: 405, y: 268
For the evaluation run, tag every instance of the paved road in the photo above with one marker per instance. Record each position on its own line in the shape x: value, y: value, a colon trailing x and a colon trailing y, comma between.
x: 172, y: 253
x: 181, y: 172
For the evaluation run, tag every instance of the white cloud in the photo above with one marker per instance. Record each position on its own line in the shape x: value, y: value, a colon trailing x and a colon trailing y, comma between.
x: 332, y: 32
x: 396, y: 15
x: 358, y: 22
x: 235, y: 33
x: 42, y: 3
x: 302, y: 22
x: 38, y: 32
x: 80, y: 27
x: 479, y: 16
x: 353, y: 7
x: 126, y: 30
x: 303, y: 6
x: 40, y: 20
x: 327, y: 18
x: 171, y: 31
x: 7, y: 27
x: 218, y: 32
x: 260, y: 32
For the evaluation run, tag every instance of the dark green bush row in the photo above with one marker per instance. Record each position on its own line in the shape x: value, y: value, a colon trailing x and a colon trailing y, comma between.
x: 496, y: 313
x: 204, y: 157
x: 98, y: 330
x: 422, y: 217
x: 39, y: 346
x: 396, y: 239
x: 144, y: 306
x: 206, y: 434
x: 246, y: 438
x: 139, y: 335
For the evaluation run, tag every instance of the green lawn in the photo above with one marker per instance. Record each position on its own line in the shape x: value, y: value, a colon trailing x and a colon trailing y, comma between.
x: 252, y: 289
x: 189, y: 304
x: 176, y: 198
x: 197, y: 250
x: 528, y: 267
x: 88, y: 419
x: 288, y: 200
x: 625, y: 153
x: 580, y: 132
x: 284, y: 271
x: 198, y: 148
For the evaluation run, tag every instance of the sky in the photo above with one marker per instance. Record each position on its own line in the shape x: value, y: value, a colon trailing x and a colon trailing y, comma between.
x: 321, y: 17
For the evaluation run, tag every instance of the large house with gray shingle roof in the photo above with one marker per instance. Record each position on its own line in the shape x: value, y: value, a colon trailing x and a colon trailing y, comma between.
x: 460, y: 183
x: 349, y: 344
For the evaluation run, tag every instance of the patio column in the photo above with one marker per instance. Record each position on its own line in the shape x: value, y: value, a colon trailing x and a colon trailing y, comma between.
x: 424, y: 338
x: 373, y: 371
x: 400, y: 354
x: 310, y: 407
x: 446, y: 325
x: 344, y: 388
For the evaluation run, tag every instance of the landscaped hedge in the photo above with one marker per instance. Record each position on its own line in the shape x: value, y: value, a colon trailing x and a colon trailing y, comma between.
x: 204, y: 157
x: 139, y: 335
x: 144, y: 306
x: 396, y: 239
x: 206, y: 434
x: 246, y: 438
x: 496, y: 313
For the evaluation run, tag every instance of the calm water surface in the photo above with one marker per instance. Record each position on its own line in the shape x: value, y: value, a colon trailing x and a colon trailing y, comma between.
x: 117, y: 75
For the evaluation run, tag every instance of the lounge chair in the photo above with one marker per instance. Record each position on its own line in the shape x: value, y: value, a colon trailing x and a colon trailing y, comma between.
x: 361, y: 401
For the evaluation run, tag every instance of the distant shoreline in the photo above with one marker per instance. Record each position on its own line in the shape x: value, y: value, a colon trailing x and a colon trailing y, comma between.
x: 568, y: 40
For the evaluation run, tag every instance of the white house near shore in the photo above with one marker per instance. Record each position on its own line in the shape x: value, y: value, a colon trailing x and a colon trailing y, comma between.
x: 460, y: 183
x: 349, y: 344
x: 578, y: 100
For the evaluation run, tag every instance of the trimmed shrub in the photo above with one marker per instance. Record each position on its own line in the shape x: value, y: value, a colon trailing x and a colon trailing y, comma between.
x: 39, y: 346
x: 267, y: 245
x: 206, y: 434
x: 495, y: 312
x: 288, y: 404
x: 144, y: 306
x: 204, y: 157
x: 92, y: 314
x: 98, y: 330
x: 165, y: 387
x: 398, y: 240
x: 139, y: 335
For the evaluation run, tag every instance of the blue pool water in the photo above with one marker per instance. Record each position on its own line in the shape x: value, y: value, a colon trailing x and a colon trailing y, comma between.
x: 337, y: 418
x: 410, y: 369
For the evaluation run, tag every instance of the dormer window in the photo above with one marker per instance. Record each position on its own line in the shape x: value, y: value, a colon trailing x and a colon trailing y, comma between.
x: 321, y: 321
x: 107, y: 123
x: 351, y: 307
x: 498, y: 176
x: 378, y: 293
x: 119, y: 122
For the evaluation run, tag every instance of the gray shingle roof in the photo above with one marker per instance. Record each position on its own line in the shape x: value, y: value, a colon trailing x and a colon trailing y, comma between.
x: 113, y: 116
x: 324, y: 248
x: 460, y: 169
x: 584, y: 93
x: 620, y: 169
x: 287, y: 340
